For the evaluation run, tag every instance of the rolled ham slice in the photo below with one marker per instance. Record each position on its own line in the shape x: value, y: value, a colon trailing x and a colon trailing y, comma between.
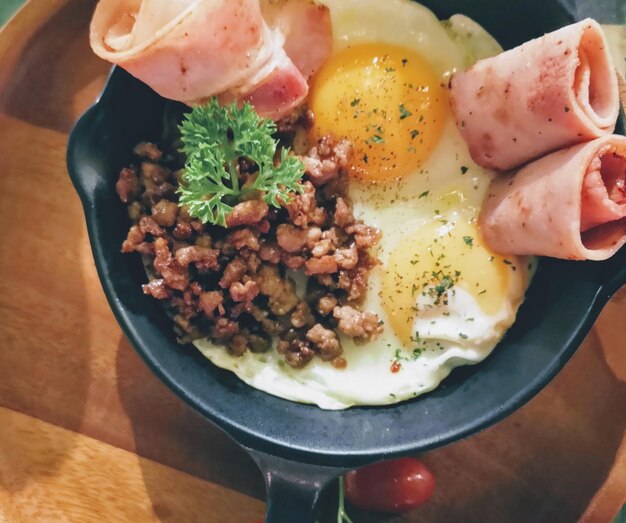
x: 570, y: 204
x: 549, y: 93
x: 191, y: 50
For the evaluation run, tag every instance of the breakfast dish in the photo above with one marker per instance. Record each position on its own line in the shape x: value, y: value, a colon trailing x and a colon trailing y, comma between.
x: 334, y: 257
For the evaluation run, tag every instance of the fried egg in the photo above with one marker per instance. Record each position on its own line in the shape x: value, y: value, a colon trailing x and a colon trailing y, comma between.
x: 444, y: 298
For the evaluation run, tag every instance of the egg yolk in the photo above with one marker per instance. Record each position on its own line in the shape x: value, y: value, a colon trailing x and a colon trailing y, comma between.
x: 387, y: 101
x: 433, y: 264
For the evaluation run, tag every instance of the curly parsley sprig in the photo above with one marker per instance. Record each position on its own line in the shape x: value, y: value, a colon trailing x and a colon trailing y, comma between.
x: 214, y: 138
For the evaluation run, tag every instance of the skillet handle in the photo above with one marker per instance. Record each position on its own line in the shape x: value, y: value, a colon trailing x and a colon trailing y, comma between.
x: 293, y: 489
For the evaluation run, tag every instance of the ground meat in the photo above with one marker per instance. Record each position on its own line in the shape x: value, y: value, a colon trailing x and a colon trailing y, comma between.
x: 280, y: 291
x: 135, y: 242
x: 211, y: 301
x: 358, y: 324
x: 238, y: 345
x: 270, y: 253
x: 366, y: 236
x: 244, y: 292
x: 164, y: 213
x: 233, y: 272
x: 147, y: 150
x: 247, y: 213
x: 323, y: 265
x: 302, y: 316
x: 326, y: 304
x: 347, y: 258
x: 326, y: 160
x: 290, y: 238
x: 245, y: 238
x: 232, y: 284
x: 182, y: 230
x: 343, y: 213
x: 203, y: 258
x: 175, y: 276
x: 148, y: 225
x: 325, y: 341
x: 127, y: 185
x: 157, y: 289
x: 153, y: 173
x: 302, y: 208
x: 297, y: 353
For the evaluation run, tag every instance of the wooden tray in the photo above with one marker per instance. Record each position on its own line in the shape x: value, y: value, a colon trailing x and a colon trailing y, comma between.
x: 87, y: 433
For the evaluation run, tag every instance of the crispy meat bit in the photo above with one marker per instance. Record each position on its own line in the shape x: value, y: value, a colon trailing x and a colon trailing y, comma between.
x: 302, y: 207
x: 357, y: 324
x: 343, y: 216
x: 147, y: 150
x: 244, y: 292
x: 127, y: 185
x: 175, y: 276
x: 325, y: 341
x: 211, y: 301
x: 294, y: 262
x: 135, y: 242
x: 324, y: 162
x: 238, y: 345
x: 280, y: 291
x: 157, y: 289
x: 233, y: 272
x: 247, y: 213
x: 155, y: 173
x: 366, y: 236
x: 326, y: 304
x: 347, y: 258
x: 148, y: 225
x: 182, y: 231
x: 291, y: 239
x: 323, y: 265
x: 164, y: 213
x: 204, y: 259
x: 245, y: 238
x: 258, y: 343
x: 270, y: 253
x: 224, y: 329
x: 297, y: 352
x: 302, y: 316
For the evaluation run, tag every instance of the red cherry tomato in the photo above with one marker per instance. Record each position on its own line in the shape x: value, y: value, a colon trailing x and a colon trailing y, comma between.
x: 390, y: 486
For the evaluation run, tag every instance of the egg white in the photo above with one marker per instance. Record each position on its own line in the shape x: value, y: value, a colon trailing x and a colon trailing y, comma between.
x: 449, y: 187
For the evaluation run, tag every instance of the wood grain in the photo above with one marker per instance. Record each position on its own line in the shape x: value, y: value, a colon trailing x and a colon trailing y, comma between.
x: 98, y: 482
x: 64, y: 360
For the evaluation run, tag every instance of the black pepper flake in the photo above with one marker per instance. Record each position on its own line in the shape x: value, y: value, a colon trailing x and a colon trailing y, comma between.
x: 464, y: 169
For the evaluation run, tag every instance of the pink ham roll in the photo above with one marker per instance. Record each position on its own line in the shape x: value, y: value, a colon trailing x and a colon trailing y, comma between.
x: 549, y: 93
x: 191, y: 50
x: 570, y: 204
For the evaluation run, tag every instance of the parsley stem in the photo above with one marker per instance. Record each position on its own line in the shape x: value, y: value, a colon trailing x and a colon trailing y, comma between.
x: 342, y: 516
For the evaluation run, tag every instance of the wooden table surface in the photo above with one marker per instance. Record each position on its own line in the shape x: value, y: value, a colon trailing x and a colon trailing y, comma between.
x: 88, y: 434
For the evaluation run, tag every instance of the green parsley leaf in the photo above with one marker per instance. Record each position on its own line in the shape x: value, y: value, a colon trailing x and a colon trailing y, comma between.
x: 424, y: 194
x: 377, y: 139
x: 468, y: 240
x: 214, y: 138
x: 404, y: 113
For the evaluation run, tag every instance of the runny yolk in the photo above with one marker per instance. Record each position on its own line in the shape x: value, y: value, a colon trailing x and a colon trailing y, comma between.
x: 387, y: 101
x: 433, y: 265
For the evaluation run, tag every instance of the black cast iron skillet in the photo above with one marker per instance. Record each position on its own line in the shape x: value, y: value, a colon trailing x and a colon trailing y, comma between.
x: 300, y: 448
